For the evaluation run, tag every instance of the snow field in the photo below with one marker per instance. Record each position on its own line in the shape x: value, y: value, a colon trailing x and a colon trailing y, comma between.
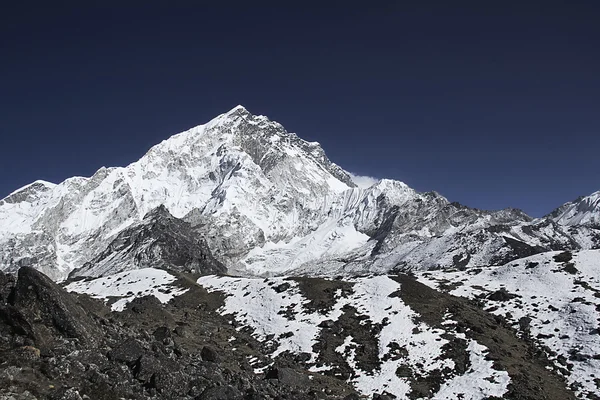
x: 130, y: 285
x: 256, y: 303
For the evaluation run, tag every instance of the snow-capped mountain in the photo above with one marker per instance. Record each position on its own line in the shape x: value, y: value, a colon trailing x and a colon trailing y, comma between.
x: 583, y: 211
x: 266, y: 203
x: 239, y: 173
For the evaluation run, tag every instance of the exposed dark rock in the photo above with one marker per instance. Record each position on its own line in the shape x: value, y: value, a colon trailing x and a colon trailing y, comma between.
x: 44, y: 302
x: 525, y: 364
x: 226, y: 392
x: 159, y: 241
x: 383, y: 397
x: 7, y: 282
x: 169, y: 382
x: 146, y: 367
x: 209, y: 354
x: 287, y: 376
x: 321, y: 292
x: 563, y: 257
x: 162, y: 333
x: 501, y: 295
x: 524, y: 323
x: 128, y: 352
x: 142, y: 304
x: 522, y: 249
x: 570, y: 268
x: 460, y: 261
x: 15, y: 322
x: 531, y: 265
x: 282, y: 287
x: 135, y: 355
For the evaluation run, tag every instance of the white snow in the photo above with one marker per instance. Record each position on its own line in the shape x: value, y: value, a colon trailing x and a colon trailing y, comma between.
x: 490, y: 382
x: 129, y: 285
x: 562, y: 305
x: 581, y: 212
x: 208, y: 170
x: 329, y: 240
x: 47, y: 184
x: 255, y: 303
x: 270, y: 201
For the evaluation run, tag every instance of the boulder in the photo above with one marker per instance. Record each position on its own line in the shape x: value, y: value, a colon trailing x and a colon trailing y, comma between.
x: 146, y: 367
x: 287, y: 376
x: 501, y: 295
x: 162, y: 333
x: 209, y: 354
x: 42, y: 301
x: 128, y: 352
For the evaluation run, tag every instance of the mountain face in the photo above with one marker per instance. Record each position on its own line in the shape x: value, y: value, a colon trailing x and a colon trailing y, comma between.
x: 158, y: 241
x: 264, y: 202
x: 583, y: 211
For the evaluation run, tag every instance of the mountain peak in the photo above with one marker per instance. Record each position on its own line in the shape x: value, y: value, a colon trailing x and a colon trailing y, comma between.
x: 238, y: 110
x: 30, y: 191
x: 266, y: 201
x: 585, y: 210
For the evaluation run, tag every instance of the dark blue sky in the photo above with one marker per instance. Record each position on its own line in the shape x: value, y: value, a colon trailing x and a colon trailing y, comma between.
x: 490, y: 104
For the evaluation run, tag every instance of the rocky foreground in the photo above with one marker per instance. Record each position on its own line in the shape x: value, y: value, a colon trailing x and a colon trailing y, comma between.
x: 56, y: 345
x: 60, y: 345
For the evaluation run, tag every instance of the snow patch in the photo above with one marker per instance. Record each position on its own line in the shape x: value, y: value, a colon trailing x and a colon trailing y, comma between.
x: 129, y: 285
x: 275, y: 308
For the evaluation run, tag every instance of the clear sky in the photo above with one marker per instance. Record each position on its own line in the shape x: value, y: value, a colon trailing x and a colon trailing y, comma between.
x: 492, y: 104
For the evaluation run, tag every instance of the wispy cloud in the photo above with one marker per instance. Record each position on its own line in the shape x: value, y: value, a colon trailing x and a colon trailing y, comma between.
x: 363, y: 181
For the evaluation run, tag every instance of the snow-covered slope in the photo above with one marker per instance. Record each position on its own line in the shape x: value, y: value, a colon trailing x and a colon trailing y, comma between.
x: 281, y: 316
x: 237, y: 171
x: 123, y: 287
x: 267, y: 203
x: 583, y: 211
x: 553, y: 298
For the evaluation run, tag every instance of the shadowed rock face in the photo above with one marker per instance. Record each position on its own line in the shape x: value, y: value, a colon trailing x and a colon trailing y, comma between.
x: 7, y: 282
x: 159, y: 241
x: 46, y: 305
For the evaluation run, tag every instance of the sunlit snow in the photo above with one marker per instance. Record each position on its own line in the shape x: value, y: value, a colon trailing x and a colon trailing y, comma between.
x: 126, y: 286
x: 256, y: 304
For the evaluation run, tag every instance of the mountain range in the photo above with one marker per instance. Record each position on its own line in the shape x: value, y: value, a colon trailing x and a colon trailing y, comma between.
x: 268, y: 203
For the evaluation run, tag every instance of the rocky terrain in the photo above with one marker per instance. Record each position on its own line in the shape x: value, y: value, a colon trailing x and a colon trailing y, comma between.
x: 552, y: 299
x: 56, y: 345
x: 296, y: 338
